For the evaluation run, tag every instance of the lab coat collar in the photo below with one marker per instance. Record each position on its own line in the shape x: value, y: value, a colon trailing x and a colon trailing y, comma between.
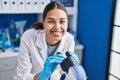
x: 62, y: 46
x: 42, y: 45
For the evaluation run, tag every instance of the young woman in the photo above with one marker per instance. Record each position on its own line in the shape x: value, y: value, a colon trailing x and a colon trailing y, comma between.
x: 38, y: 58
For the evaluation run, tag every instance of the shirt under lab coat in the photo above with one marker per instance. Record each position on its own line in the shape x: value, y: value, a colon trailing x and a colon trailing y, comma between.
x: 33, y: 54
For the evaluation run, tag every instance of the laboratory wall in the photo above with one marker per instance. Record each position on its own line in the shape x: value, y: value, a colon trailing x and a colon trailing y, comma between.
x: 94, y: 17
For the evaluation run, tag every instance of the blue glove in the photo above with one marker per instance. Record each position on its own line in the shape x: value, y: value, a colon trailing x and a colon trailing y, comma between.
x: 75, y: 57
x: 49, y: 66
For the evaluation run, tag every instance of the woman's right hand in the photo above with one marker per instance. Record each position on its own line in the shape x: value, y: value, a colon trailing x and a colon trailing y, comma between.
x: 50, y: 66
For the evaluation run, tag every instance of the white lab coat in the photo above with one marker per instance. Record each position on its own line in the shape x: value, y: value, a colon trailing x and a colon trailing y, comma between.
x: 33, y: 54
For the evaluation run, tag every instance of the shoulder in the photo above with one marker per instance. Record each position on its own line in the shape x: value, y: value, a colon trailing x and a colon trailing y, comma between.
x: 68, y: 36
x: 31, y: 33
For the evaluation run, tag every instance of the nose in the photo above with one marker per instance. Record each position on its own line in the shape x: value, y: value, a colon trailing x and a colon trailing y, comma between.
x: 57, y: 25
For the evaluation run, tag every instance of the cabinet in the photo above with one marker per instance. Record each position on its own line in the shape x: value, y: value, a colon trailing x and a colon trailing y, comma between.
x: 22, y: 6
x: 114, y: 62
x: 8, y: 62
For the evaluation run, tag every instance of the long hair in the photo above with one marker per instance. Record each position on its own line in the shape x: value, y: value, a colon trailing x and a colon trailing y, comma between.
x: 50, y: 6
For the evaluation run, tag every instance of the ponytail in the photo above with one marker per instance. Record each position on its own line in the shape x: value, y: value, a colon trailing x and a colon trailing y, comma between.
x: 37, y: 25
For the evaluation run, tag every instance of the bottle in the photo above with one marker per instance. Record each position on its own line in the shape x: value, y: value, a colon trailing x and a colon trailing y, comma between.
x: 14, y: 35
x: 73, y: 69
x: 12, y: 31
x: 2, y: 39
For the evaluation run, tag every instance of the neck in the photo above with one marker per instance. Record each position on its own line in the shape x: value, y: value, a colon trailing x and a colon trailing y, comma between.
x: 51, y: 43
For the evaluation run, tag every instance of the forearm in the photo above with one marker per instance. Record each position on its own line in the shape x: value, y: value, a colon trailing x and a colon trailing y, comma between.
x: 36, y: 77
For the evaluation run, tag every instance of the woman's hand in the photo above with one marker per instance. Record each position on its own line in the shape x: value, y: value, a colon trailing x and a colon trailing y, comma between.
x: 50, y: 66
x: 75, y: 57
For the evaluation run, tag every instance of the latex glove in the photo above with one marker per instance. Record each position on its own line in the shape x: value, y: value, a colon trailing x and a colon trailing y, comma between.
x: 75, y: 57
x: 49, y: 66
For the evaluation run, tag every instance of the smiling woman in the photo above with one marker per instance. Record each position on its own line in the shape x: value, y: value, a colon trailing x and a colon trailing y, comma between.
x: 55, y: 25
x: 38, y: 57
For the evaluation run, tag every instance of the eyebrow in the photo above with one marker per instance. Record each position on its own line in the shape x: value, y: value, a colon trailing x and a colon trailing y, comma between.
x: 53, y: 19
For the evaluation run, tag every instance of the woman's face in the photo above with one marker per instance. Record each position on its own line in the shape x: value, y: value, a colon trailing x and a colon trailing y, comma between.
x: 55, y: 24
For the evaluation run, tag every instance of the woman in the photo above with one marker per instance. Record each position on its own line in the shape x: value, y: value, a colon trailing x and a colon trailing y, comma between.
x: 38, y: 58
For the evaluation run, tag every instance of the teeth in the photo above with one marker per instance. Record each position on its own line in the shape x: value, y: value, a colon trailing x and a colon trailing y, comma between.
x: 56, y: 32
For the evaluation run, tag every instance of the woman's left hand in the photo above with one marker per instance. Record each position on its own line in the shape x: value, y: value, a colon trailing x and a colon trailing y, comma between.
x: 75, y: 57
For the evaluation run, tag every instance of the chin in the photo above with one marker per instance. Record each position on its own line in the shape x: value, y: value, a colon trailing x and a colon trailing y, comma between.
x: 57, y: 39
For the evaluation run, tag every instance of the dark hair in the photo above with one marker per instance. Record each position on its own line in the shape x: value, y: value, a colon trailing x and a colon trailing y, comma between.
x: 50, y: 6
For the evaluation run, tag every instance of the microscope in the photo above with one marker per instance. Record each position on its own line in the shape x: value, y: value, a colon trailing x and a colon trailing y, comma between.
x: 74, y: 70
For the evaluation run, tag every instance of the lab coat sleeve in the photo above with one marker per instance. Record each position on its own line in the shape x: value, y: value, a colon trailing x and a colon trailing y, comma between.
x: 24, y: 66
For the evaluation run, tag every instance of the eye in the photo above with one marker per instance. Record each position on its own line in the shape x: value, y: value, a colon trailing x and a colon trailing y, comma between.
x: 62, y: 22
x: 50, y: 21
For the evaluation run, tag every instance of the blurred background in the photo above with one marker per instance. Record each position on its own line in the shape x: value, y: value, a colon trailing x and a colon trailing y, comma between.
x: 95, y: 25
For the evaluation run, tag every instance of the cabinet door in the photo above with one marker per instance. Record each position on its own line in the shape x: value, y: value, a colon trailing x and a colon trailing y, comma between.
x: 7, y: 67
x: 114, y: 64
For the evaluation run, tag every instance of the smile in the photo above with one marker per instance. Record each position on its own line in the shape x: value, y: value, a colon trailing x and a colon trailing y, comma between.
x: 57, y: 33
